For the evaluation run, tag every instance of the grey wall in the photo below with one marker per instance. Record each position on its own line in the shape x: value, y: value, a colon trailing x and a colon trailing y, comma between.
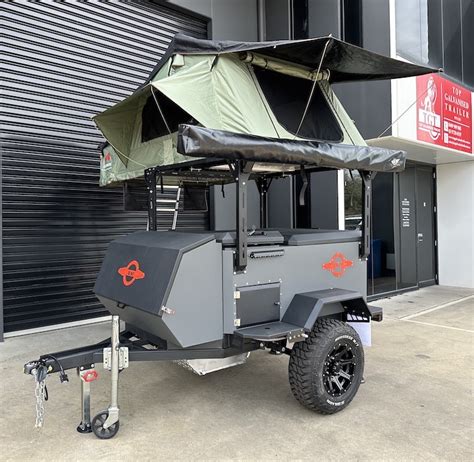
x: 277, y: 19
x: 324, y: 18
x: 223, y: 208
x: 324, y: 203
x: 280, y: 203
x: 231, y: 19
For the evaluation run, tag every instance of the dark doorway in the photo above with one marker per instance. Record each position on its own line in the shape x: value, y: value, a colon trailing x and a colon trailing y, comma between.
x: 425, y: 226
x: 381, y: 266
x: 416, y: 227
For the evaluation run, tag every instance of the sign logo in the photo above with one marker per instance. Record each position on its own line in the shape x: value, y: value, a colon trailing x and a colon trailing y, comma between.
x: 337, y: 265
x: 131, y: 273
x: 428, y: 114
x: 444, y: 113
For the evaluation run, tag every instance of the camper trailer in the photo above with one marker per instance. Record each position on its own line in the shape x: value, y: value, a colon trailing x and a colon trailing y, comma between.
x: 217, y: 113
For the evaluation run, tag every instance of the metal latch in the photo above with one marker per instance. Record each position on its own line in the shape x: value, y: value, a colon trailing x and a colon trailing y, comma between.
x: 123, y: 358
x: 166, y: 310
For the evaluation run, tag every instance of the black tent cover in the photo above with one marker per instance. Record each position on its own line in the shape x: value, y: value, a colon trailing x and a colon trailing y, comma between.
x: 203, y: 142
x: 345, y: 62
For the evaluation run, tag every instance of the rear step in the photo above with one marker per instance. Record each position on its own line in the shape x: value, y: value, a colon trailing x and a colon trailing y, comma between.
x: 272, y: 331
x: 376, y: 313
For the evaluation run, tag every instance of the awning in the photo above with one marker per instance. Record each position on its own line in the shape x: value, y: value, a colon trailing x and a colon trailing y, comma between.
x: 344, y: 61
x: 420, y: 151
x: 202, y: 142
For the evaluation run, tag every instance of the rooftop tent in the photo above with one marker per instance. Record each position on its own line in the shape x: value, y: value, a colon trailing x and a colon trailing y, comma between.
x: 237, y: 87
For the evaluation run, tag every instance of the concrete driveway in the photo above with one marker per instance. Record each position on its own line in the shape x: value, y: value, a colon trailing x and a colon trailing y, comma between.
x: 416, y: 404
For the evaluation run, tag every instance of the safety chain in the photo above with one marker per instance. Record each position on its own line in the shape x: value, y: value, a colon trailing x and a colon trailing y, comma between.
x: 40, y: 370
x: 40, y: 395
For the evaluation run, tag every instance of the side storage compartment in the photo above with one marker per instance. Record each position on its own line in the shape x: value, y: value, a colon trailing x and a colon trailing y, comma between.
x: 257, y: 304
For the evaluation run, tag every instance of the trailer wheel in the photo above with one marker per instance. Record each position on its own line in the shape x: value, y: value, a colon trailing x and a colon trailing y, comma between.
x: 98, y: 426
x: 325, y: 370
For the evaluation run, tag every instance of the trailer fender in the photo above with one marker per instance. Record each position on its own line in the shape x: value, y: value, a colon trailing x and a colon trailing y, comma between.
x: 305, y: 308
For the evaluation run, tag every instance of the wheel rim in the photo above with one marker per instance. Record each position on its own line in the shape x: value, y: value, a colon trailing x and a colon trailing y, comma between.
x: 339, y: 369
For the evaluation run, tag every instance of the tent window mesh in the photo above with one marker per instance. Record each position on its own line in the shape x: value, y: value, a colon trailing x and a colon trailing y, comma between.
x: 153, y: 125
x: 287, y: 97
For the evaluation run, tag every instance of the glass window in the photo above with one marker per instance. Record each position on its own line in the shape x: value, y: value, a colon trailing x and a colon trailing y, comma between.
x: 352, y: 200
x: 452, y: 38
x: 419, y: 32
x: 352, y: 21
x: 468, y: 41
x: 288, y: 96
x: 300, y: 19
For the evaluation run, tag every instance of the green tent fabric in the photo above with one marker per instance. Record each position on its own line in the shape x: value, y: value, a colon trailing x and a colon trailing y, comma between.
x: 221, y: 93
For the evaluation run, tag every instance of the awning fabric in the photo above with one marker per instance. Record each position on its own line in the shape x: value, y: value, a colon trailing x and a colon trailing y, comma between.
x: 344, y: 61
x: 202, y: 142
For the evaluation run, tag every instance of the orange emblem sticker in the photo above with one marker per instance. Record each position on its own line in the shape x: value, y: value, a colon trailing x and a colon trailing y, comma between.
x: 338, y: 264
x: 131, y: 273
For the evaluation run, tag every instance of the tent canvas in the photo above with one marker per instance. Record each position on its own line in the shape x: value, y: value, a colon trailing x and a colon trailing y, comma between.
x: 251, y: 88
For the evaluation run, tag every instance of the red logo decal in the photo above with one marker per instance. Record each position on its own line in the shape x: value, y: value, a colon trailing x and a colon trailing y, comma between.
x: 338, y: 264
x: 131, y: 273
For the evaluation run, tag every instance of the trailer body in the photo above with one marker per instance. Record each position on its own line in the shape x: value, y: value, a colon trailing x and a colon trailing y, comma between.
x: 189, y: 294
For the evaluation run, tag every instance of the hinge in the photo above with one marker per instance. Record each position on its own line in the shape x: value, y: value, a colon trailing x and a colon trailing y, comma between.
x: 436, y: 243
x: 237, y: 322
x: 434, y: 209
x: 434, y: 174
x: 236, y: 294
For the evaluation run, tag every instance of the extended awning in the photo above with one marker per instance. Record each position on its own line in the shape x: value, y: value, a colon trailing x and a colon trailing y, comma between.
x: 420, y: 151
x: 344, y: 61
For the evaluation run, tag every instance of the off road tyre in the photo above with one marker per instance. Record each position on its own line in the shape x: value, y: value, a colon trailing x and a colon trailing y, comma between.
x: 325, y: 370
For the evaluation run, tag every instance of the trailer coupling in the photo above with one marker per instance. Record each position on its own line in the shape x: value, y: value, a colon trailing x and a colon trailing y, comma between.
x: 105, y: 425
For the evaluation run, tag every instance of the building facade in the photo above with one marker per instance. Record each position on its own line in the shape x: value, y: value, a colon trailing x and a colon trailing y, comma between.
x: 66, y: 61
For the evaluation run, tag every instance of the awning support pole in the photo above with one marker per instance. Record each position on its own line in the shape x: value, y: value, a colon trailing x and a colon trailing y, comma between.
x: 367, y: 177
x: 150, y: 179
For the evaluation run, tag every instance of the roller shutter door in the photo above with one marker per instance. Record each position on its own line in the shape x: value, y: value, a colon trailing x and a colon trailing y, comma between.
x: 63, y: 62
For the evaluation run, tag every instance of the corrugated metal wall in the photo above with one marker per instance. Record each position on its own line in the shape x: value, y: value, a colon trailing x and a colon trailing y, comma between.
x: 62, y: 62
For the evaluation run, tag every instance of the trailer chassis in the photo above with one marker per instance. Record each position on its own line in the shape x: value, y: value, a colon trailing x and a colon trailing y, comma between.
x: 116, y: 353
